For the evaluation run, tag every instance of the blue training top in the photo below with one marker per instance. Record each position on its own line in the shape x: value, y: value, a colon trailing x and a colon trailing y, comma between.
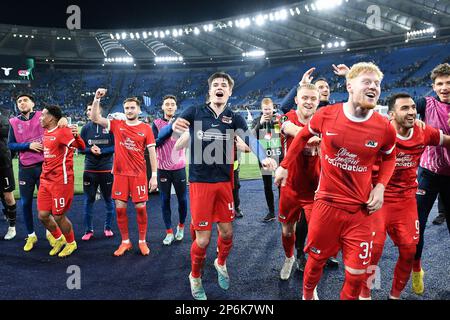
x: 212, y: 143
x: 93, y: 134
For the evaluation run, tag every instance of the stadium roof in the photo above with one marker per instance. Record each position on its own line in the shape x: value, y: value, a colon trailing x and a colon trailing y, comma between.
x: 303, y: 28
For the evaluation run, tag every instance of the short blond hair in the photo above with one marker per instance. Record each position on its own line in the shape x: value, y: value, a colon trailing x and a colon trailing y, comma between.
x: 308, y: 86
x: 362, y: 67
x: 266, y: 101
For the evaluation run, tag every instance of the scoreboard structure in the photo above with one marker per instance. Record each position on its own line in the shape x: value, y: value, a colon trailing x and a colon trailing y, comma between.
x: 16, y: 70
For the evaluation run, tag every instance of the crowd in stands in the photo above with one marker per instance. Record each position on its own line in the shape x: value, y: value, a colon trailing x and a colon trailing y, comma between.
x: 73, y: 89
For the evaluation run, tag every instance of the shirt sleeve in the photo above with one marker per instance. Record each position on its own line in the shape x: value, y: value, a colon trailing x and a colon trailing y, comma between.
x: 315, y: 124
x: 112, y: 125
x: 421, y: 106
x: 65, y: 137
x: 433, y: 136
x: 189, y: 115
x: 150, y: 138
x: 389, y: 140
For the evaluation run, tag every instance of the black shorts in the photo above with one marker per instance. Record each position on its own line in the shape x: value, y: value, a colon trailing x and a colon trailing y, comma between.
x: 7, y: 183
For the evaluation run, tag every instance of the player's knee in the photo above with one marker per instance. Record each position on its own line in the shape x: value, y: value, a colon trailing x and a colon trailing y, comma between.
x: 9, y: 199
x: 407, y: 253
x: 43, y: 216
x: 355, y: 272
x: 202, y: 242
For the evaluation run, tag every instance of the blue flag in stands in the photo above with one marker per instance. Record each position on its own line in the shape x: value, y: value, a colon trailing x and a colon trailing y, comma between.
x: 147, y: 101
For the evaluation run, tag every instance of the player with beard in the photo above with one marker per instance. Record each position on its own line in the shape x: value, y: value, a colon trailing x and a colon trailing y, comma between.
x: 213, y: 128
x: 398, y: 216
x: 25, y: 138
x: 353, y: 136
x: 131, y: 137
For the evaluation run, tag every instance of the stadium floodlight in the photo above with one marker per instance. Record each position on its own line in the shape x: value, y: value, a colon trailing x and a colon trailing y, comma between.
x: 254, y: 54
x: 329, y: 45
x: 180, y: 32
x: 230, y: 24
x: 297, y: 10
x: 117, y: 36
x: 169, y: 59
x: 124, y: 35
x: 326, y: 4
x: 260, y: 20
x: 137, y: 35
x: 306, y: 8
x: 283, y: 14
x: 343, y: 43
x: 112, y: 36
x: 313, y: 7
x: 292, y: 12
x: 196, y: 31
x: 144, y: 35
x: 156, y: 34
x: 336, y: 44
x: 162, y: 35
x: 421, y: 34
x: 271, y: 17
x: 131, y: 35
x: 167, y: 32
x: 174, y: 33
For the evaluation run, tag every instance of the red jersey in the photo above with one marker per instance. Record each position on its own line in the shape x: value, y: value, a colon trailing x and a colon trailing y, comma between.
x: 59, y: 145
x: 409, y: 150
x: 349, y: 148
x: 304, y: 173
x: 129, y: 147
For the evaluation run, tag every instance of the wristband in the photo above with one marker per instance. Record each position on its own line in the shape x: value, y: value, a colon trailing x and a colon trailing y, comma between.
x: 154, y: 174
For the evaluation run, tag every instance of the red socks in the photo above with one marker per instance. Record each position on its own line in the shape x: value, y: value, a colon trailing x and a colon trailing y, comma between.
x: 224, y: 247
x: 198, y: 256
x: 142, y: 220
x: 352, y: 286
x: 288, y: 245
x: 417, y: 265
x: 403, y: 269
x: 57, y: 233
x: 377, y: 251
x: 122, y: 222
x: 312, y: 275
x: 70, y: 237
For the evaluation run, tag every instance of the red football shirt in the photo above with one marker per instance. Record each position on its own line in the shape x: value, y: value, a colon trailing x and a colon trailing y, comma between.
x: 409, y: 150
x: 349, y: 149
x: 305, y: 171
x: 129, y: 147
x: 59, y: 145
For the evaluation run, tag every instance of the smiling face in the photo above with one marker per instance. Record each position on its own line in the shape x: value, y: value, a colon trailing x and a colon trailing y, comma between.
x: 441, y: 86
x: 324, y: 90
x: 46, y: 119
x: 404, y: 112
x: 307, y: 101
x: 364, y: 90
x: 219, y: 91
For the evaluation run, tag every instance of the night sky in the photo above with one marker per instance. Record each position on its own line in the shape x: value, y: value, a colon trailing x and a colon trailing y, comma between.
x: 101, y: 14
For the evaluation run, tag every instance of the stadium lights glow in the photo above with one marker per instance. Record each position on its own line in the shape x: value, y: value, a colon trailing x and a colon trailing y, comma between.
x: 126, y: 60
x: 297, y: 10
x: 335, y: 45
x: 254, y: 54
x: 420, y: 34
x: 168, y: 59
x: 326, y: 4
x: 144, y: 35
x: 124, y: 35
x: 196, y: 31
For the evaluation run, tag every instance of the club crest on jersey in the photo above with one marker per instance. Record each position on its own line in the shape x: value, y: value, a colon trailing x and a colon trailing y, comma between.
x: 141, y: 134
x: 421, y: 192
x: 227, y: 120
x: 371, y: 144
x: 118, y: 193
x: 52, y: 138
x: 203, y: 224
x: 283, y: 119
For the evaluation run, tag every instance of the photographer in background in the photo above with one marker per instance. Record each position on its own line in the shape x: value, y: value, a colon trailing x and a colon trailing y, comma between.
x: 267, y: 130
